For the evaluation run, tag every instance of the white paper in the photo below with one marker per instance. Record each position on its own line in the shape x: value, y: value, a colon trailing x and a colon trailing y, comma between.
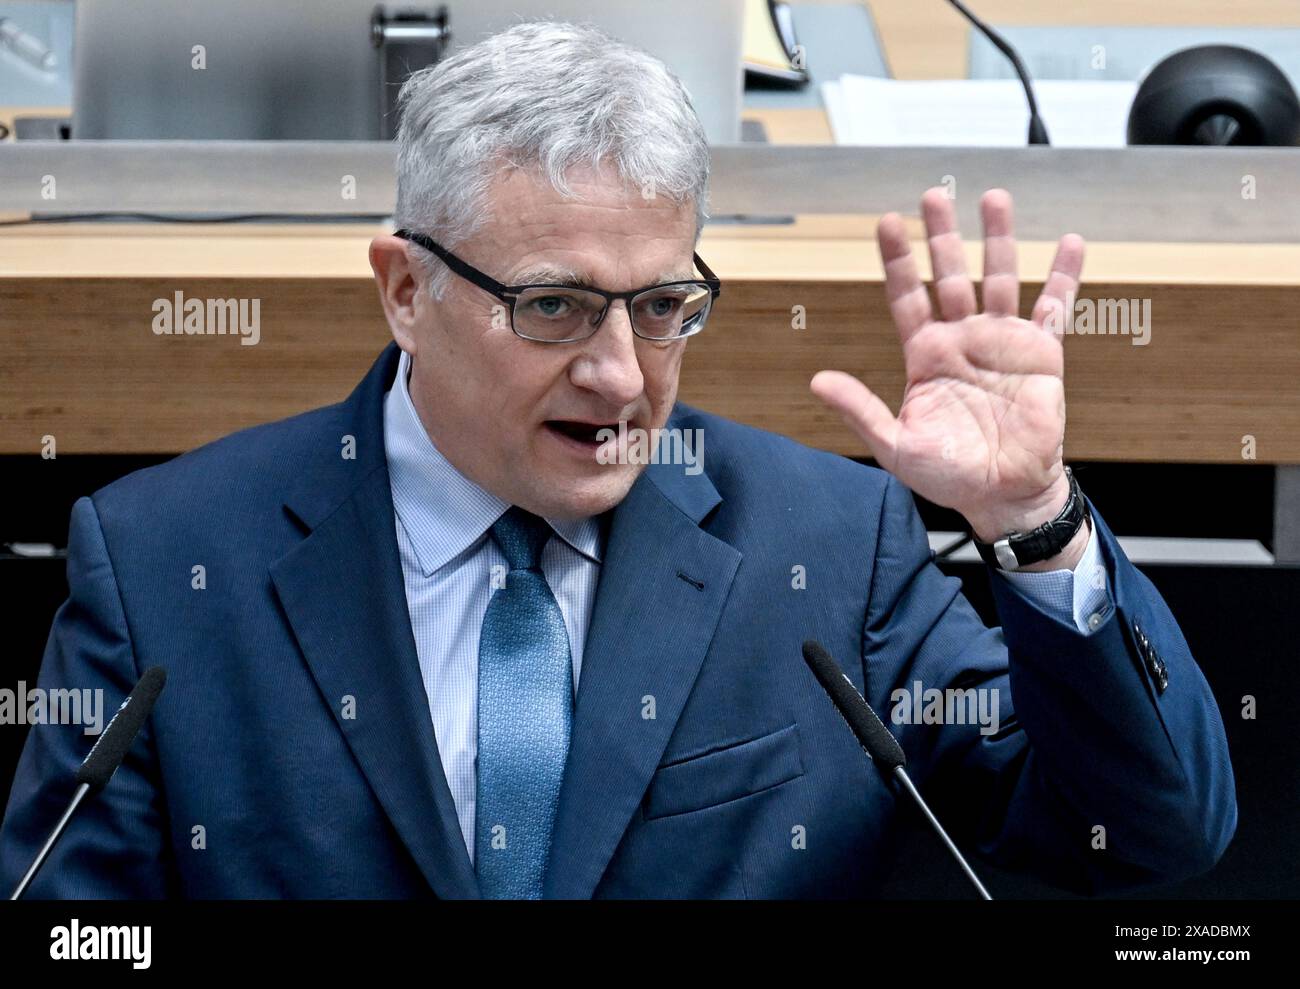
x: 975, y: 112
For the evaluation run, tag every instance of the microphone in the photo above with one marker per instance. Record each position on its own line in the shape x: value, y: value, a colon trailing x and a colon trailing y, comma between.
x: 105, y: 756
x: 1037, y: 129
x: 876, y: 739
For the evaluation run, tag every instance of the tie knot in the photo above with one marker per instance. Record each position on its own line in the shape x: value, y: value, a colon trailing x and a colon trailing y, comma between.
x: 521, y: 536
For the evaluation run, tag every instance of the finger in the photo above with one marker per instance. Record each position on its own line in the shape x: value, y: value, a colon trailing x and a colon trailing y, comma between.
x: 909, y: 303
x: 863, y: 411
x: 1001, y: 281
x: 952, y: 284
x: 1053, y: 305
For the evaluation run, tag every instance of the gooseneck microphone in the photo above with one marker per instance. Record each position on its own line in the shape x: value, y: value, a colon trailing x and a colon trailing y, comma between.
x: 876, y: 739
x: 1037, y: 129
x: 105, y: 756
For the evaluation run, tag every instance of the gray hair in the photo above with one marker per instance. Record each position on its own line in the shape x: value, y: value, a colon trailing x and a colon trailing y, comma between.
x: 549, y: 96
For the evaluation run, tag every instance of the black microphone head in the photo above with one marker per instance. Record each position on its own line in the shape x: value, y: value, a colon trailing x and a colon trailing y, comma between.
x: 110, y: 749
x: 870, y: 731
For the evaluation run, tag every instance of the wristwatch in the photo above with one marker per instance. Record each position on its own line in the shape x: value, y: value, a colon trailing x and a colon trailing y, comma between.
x: 1019, y: 549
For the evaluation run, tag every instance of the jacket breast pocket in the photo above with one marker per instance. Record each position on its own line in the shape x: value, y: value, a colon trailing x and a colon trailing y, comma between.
x: 725, y: 774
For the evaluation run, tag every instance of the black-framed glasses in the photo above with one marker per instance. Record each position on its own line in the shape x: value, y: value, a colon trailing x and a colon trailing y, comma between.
x: 553, y: 313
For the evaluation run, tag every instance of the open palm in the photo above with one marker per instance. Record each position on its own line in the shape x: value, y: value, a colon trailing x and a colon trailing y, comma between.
x: 982, y: 422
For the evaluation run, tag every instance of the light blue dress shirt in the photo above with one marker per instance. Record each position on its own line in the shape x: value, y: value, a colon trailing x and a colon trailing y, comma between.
x: 448, y: 557
x: 442, y: 521
x: 1082, y: 593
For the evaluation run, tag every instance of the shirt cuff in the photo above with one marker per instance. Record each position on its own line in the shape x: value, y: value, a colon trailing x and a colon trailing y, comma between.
x: 1080, y: 596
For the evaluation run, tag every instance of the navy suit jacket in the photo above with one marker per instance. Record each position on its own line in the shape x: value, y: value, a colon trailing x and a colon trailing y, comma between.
x: 292, y: 753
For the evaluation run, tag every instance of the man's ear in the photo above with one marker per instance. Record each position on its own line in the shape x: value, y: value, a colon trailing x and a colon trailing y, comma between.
x: 400, y: 283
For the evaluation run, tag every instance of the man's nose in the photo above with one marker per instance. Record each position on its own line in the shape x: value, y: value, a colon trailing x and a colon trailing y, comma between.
x: 609, y: 363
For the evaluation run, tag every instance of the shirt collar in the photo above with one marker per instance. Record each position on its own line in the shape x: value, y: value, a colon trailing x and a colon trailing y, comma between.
x: 444, y: 512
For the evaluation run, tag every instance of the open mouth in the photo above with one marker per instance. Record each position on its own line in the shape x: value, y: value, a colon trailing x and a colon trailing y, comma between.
x: 586, y: 433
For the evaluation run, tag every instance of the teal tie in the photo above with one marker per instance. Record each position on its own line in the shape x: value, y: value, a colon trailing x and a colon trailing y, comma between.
x: 525, y: 711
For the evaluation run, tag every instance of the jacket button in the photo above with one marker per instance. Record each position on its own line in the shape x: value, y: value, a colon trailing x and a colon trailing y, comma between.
x: 1154, y: 664
x: 1144, y: 644
x: 1159, y: 672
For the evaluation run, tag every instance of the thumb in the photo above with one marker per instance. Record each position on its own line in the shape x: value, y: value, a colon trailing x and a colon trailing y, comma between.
x: 862, y: 410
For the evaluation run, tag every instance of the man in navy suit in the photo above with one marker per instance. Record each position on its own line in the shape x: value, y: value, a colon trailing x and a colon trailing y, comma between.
x: 456, y: 637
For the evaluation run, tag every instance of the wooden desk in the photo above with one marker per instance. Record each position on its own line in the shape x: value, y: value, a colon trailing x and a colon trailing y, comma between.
x: 80, y: 362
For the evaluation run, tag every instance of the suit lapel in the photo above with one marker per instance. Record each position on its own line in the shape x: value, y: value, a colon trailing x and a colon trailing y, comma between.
x: 663, y: 584
x: 343, y: 594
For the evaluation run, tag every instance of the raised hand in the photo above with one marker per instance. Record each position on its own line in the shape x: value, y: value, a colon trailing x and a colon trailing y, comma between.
x: 982, y: 422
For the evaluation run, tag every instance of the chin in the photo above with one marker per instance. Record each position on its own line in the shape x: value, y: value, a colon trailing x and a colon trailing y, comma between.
x: 591, y: 496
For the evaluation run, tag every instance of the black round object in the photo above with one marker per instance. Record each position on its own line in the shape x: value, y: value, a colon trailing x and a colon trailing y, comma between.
x: 1215, y: 94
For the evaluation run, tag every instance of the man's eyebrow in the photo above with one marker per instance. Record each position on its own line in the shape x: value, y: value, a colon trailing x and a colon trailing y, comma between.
x: 544, y: 274
x: 550, y: 275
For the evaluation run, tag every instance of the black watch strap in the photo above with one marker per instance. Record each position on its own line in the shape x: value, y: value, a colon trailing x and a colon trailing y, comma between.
x: 1019, y: 549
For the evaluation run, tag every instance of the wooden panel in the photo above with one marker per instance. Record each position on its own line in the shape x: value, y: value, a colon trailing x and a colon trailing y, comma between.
x: 81, y: 362
x: 1222, y: 362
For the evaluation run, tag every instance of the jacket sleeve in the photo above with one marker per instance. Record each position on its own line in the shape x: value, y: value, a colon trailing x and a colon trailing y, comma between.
x: 1106, y: 766
x: 115, y: 844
